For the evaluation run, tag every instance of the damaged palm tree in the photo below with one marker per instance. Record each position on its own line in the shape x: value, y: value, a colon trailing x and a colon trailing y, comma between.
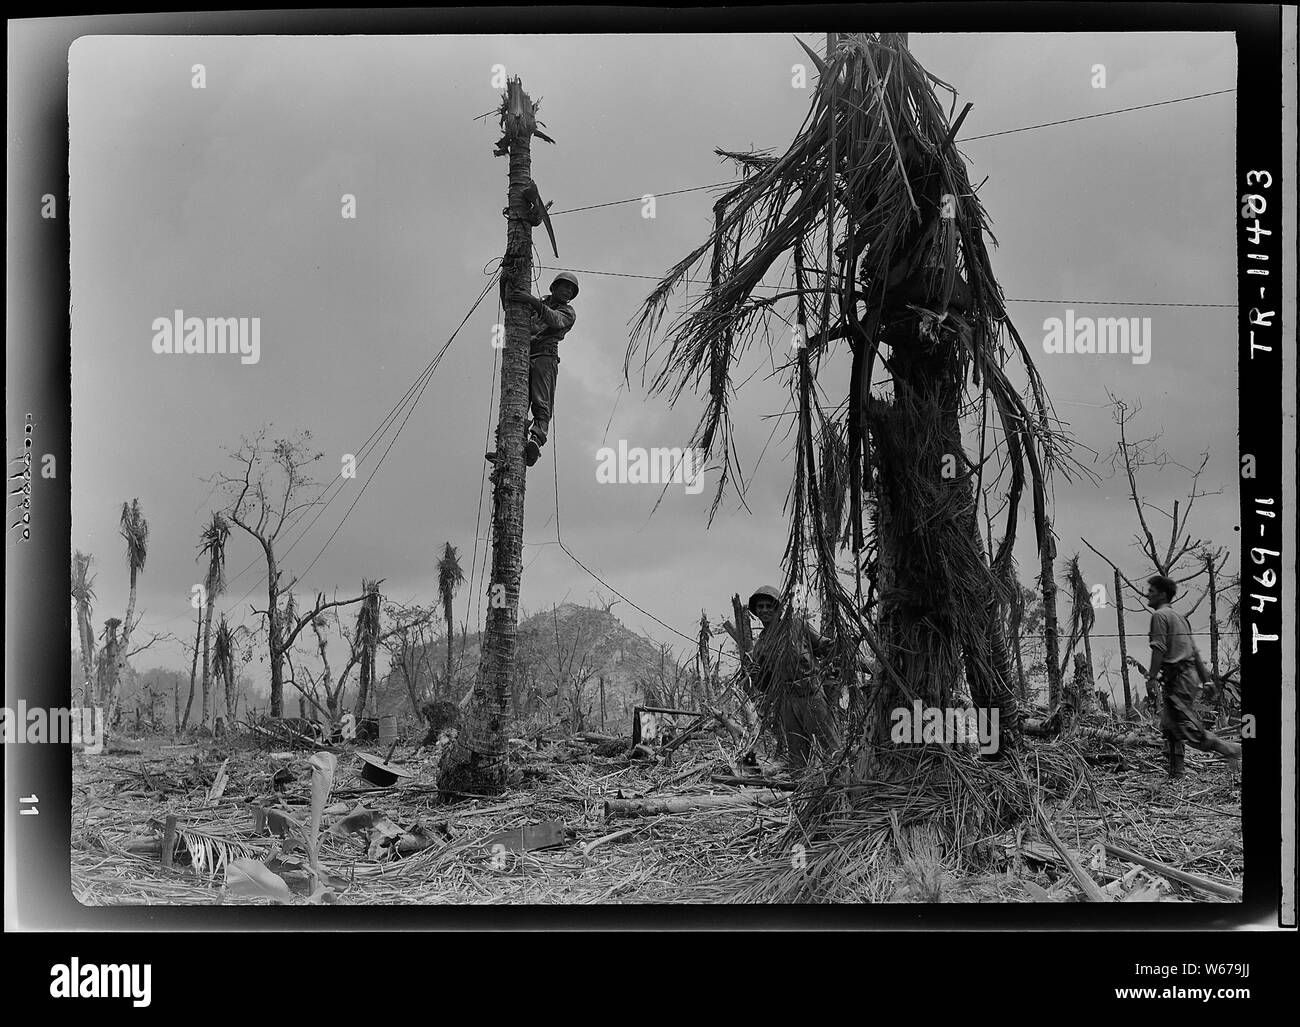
x: 1082, y: 619
x: 223, y: 663
x: 873, y: 190
x: 135, y: 532
x: 212, y: 543
x: 83, y: 595
x: 450, y: 578
x: 476, y: 763
x: 366, y: 643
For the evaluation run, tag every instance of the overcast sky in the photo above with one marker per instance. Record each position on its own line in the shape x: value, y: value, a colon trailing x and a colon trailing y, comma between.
x: 225, y: 201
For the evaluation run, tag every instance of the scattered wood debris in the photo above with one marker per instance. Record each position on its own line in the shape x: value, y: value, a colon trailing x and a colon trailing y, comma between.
x: 597, y: 819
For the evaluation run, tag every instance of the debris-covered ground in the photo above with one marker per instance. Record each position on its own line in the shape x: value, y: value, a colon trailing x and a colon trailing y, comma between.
x: 588, y: 823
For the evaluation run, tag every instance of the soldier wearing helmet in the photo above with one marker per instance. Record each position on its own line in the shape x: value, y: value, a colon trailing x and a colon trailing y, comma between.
x: 787, y: 675
x: 552, y: 318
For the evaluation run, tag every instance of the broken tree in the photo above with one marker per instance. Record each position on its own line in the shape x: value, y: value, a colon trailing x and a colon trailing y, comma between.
x: 905, y: 279
x: 256, y: 509
x: 476, y: 763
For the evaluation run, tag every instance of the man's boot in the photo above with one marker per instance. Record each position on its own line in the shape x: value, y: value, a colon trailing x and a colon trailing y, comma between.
x: 1174, y: 754
x: 532, y: 453
x: 1231, y: 752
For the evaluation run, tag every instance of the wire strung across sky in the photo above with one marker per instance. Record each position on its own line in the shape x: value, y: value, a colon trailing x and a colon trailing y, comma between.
x: 1008, y: 299
x: 963, y: 139
x: 417, y: 388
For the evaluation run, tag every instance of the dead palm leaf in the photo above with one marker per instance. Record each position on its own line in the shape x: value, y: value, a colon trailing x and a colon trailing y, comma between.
x: 210, y: 852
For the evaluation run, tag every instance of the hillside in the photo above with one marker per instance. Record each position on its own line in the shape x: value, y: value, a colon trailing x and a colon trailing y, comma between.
x: 569, y: 647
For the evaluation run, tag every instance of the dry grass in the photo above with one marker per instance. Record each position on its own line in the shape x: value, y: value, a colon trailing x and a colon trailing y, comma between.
x: 945, y: 828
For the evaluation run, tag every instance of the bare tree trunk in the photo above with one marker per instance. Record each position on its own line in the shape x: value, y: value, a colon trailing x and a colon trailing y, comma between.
x: 476, y: 763
x: 1214, y: 631
x: 1079, y: 684
x: 1087, y: 655
x: 363, y: 685
x: 208, y: 710
x: 118, y: 665
x: 194, y: 666
x: 1123, y: 649
x: 230, y: 695
x: 410, y: 676
x: 274, y: 633
x: 1047, y: 581
x: 87, y: 655
x: 446, y: 613
x: 368, y: 638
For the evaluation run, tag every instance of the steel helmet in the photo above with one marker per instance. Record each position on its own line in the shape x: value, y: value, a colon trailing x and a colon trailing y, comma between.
x: 565, y: 276
x: 766, y: 590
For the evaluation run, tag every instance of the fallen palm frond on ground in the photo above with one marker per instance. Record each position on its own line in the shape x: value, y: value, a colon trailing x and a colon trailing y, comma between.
x: 696, y: 826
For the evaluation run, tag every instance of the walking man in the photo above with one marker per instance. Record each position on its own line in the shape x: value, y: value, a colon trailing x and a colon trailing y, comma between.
x: 551, y: 321
x: 1177, y: 667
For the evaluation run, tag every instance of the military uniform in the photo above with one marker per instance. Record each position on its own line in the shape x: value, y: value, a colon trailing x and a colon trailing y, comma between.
x: 550, y: 323
x: 786, y: 672
x: 1171, y: 636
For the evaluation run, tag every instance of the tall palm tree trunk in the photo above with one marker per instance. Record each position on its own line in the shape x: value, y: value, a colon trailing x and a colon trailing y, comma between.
x: 477, y: 760
x: 446, y: 613
x: 194, y: 665
x: 117, y: 667
x: 1047, y: 582
x: 208, y: 709
x: 228, y: 672
x: 87, y: 634
x: 87, y: 657
x: 368, y: 630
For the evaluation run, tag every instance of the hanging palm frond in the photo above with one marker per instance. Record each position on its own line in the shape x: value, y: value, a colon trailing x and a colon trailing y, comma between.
x: 135, y: 530
x: 83, y: 583
x: 223, y: 647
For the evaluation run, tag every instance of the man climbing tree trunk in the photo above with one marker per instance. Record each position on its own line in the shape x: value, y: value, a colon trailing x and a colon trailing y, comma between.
x: 477, y: 762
